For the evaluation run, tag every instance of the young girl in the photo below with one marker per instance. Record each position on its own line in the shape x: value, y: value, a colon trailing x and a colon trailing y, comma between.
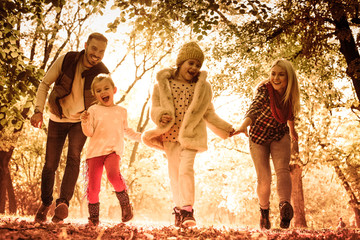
x: 182, y: 108
x: 106, y: 124
x: 271, y: 114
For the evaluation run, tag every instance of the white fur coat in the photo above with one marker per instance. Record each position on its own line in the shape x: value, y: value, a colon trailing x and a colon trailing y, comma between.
x: 201, y: 113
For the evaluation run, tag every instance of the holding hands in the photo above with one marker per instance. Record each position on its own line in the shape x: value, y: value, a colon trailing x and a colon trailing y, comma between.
x: 234, y: 132
x: 247, y: 121
x: 243, y: 128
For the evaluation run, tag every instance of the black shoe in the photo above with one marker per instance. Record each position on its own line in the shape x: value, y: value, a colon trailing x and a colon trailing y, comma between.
x: 187, y: 218
x: 286, y: 214
x: 126, y: 208
x: 264, y: 219
x: 61, y: 212
x: 177, y: 217
x: 41, y: 213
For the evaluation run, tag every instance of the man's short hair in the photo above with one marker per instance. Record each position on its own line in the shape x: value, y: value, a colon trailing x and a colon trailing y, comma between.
x: 97, y: 36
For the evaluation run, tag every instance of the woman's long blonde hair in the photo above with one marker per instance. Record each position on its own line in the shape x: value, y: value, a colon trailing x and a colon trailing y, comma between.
x: 292, y: 92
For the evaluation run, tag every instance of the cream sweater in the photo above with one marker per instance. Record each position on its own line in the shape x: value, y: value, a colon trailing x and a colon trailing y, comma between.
x: 73, y: 104
x: 106, y: 128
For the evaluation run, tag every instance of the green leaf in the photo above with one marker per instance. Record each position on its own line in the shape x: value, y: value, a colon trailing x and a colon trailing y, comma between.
x: 18, y: 124
x: 14, y: 54
x: 28, y: 104
x: 140, y: 27
x: 3, y: 122
x: 12, y: 41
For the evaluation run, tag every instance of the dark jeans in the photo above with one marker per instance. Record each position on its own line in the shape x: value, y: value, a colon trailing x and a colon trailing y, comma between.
x: 57, y: 133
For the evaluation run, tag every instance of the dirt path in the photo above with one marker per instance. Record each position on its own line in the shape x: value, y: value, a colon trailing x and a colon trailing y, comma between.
x: 16, y: 228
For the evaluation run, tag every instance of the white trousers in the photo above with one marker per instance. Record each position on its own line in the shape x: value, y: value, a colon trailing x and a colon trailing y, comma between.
x: 181, y: 173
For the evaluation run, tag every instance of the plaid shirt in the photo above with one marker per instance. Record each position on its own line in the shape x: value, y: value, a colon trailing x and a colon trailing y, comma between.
x: 264, y: 127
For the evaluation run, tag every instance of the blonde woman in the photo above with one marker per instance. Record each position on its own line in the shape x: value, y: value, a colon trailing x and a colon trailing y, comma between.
x: 271, y: 120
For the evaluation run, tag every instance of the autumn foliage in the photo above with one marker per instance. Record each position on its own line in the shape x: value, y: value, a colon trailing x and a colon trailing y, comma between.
x: 240, y: 40
x: 21, y: 229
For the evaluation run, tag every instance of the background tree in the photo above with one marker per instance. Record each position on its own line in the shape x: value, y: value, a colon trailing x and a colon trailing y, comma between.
x: 235, y: 38
x: 18, y: 81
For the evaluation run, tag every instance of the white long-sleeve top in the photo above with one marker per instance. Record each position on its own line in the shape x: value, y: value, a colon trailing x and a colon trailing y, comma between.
x: 106, y: 127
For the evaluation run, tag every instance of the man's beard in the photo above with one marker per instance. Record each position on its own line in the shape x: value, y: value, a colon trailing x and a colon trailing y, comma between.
x: 90, y: 60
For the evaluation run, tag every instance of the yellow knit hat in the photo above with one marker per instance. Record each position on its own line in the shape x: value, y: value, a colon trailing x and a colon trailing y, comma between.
x: 190, y: 50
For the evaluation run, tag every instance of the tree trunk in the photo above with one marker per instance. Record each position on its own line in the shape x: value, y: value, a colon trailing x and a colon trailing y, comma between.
x: 11, y: 195
x: 2, y: 188
x: 133, y: 154
x: 350, y: 51
x: 356, y: 209
x: 297, y: 194
x: 140, y: 128
x: 5, y: 180
x: 347, y: 43
x: 355, y: 204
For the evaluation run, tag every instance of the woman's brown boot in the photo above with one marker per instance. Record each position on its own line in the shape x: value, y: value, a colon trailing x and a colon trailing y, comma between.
x: 264, y: 219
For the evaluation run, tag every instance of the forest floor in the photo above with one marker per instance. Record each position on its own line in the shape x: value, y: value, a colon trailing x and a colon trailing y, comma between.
x: 25, y: 228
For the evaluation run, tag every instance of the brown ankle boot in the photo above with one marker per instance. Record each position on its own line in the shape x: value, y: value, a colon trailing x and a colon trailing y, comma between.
x: 94, y: 209
x: 61, y: 212
x: 41, y: 213
x: 126, y: 209
x: 286, y: 214
x: 264, y: 219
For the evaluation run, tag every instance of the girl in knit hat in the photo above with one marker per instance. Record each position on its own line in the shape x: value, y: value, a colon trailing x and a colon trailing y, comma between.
x: 182, y: 108
x: 271, y: 120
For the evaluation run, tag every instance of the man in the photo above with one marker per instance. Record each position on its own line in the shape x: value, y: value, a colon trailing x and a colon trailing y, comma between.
x: 72, y: 74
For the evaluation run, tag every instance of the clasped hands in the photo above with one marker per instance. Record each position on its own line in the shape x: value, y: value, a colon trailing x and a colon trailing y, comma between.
x: 165, y: 119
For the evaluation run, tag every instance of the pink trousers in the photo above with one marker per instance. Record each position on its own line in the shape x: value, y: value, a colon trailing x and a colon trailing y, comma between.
x: 95, y: 170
